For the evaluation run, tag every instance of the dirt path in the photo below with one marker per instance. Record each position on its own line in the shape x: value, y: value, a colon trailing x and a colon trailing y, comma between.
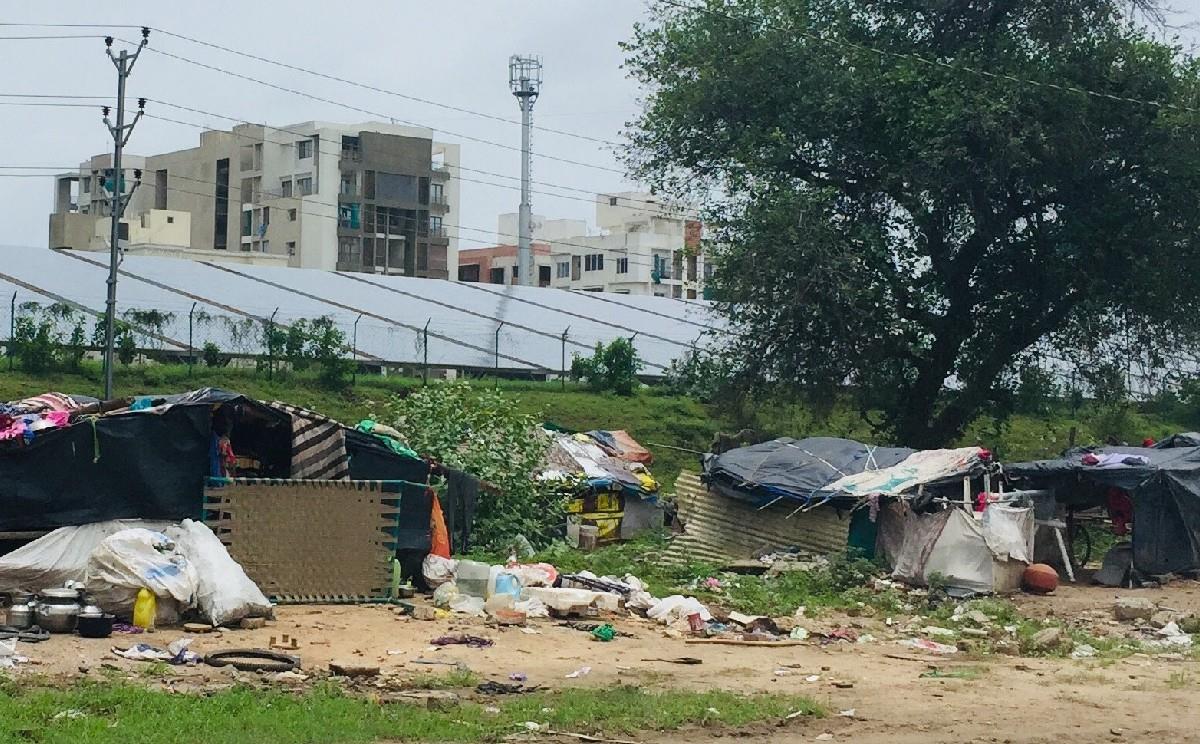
x: 994, y: 699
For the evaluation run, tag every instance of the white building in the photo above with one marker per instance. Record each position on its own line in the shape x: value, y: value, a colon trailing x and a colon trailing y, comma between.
x: 367, y: 197
x: 640, y: 247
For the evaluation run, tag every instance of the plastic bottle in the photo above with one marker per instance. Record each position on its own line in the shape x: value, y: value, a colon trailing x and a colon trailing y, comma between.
x: 145, y: 609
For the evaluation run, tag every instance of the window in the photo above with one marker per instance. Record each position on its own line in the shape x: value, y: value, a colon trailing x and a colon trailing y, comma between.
x: 160, y: 189
x: 437, y: 193
x: 304, y: 186
x: 468, y: 272
x: 291, y: 215
x: 622, y: 265
x: 304, y: 149
x: 708, y: 271
x: 170, y: 220
x: 677, y: 292
x: 691, y: 294
x: 265, y: 246
x: 221, y: 211
x: 291, y: 247
x: 349, y: 184
x: 285, y: 187
x: 543, y: 276
x: 612, y: 201
x: 247, y: 223
x: 348, y: 216
x: 435, y: 227
x: 593, y: 262
x: 496, y: 276
x: 564, y: 269
x: 86, y: 185
x: 575, y: 263
x: 396, y: 187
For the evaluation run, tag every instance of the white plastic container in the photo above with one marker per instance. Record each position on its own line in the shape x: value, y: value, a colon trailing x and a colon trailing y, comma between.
x: 473, y: 578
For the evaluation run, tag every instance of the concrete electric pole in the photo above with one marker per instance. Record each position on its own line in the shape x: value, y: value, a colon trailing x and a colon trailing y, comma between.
x: 120, y: 133
x: 525, y: 81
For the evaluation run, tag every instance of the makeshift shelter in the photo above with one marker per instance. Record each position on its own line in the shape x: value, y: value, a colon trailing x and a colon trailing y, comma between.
x: 1162, y: 483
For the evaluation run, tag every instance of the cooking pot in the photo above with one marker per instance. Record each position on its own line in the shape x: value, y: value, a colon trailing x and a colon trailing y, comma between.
x: 95, y: 626
x: 20, y: 614
x: 58, y: 611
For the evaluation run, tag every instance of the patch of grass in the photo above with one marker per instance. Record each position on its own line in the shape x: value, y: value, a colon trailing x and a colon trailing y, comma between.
x: 454, y: 680
x: 1180, y: 680
x: 124, y: 713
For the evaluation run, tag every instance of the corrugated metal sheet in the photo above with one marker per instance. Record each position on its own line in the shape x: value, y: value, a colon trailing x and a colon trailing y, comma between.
x: 719, y: 529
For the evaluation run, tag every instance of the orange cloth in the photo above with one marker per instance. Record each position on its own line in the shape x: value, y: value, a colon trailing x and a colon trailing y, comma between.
x: 439, y: 536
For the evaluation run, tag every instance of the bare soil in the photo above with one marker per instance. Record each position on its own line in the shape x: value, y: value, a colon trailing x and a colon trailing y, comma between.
x: 994, y: 698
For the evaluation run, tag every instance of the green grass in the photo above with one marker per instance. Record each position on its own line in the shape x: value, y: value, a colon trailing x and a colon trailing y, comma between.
x: 124, y: 713
x: 454, y: 680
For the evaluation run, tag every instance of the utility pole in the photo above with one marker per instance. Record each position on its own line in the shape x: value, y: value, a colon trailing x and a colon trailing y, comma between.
x: 120, y: 133
x: 525, y: 81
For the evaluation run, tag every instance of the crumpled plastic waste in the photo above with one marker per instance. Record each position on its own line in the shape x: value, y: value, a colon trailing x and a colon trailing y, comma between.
x: 677, y: 607
x: 462, y: 639
x: 466, y: 605
x: 176, y: 653
x: 437, y: 570
x: 445, y: 594
x: 580, y: 672
x: 924, y: 644
x: 604, y: 633
x: 1173, y: 636
x: 8, y: 654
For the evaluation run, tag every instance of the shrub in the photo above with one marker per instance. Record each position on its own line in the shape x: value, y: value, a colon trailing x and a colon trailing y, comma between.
x: 482, y: 432
x: 611, y: 368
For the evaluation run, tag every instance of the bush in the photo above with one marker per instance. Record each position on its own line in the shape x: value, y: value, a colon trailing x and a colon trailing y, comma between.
x: 482, y: 432
x: 611, y: 368
x: 213, y: 356
x: 49, y: 338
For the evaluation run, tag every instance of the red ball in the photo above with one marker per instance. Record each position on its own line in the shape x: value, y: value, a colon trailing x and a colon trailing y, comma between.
x: 1040, y: 578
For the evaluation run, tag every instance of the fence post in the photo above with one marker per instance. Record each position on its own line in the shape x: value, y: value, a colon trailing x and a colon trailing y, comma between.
x: 563, y: 375
x: 354, y: 351
x: 498, y: 343
x: 191, y: 345
x: 12, y: 331
x: 425, y: 351
x: 271, y: 346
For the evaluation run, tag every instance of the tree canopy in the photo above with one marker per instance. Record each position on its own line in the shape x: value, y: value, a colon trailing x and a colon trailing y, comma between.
x: 909, y: 197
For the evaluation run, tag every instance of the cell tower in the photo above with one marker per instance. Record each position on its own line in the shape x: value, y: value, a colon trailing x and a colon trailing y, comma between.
x: 525, y: 81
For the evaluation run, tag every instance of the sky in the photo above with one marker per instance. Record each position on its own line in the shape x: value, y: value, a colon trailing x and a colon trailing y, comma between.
x: 453, y: 52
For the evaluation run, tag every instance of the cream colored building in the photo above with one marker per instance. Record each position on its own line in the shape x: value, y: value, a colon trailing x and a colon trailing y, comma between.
x: 367, y: 197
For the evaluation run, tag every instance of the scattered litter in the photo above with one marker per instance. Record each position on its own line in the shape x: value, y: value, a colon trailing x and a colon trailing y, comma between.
x: 848, y: 713
x: 532, y: 726
x: 500, y: 688
x: 930, y: 630
x: 176, y: 653
x: 713, y: 711
x: 530, y: 631
x: 604, y: 633
x: 798, y: 633
x: 1083, y: 651
x: 8, y: 654
x: 462, y: 639
x: 1173, y: 636
x: 126, y: 628
x: 394, y: 652
x: 518, y: 677
x: 825, y: 736
x: 69, y: 713
x: 690, y: 660
x: 812, y: 678
x: 493, y: 710
x: 924, y: 644
x: 580, y: 672
x: 783, y: 672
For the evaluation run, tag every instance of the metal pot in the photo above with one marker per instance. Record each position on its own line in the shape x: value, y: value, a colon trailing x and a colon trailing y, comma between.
x: 20, y: 614
x: 91, y: 610
x: 58, y: 612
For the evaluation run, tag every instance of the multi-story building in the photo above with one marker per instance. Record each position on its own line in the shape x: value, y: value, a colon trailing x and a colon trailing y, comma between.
x: 366, y: 197
x: 642, y: 247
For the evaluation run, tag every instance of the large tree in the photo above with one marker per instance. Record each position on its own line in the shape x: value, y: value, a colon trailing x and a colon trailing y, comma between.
x: 908, y: 196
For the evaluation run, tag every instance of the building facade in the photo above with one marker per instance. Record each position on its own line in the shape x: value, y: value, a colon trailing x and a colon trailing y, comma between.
x: 368, y: 197
x: 641, y: 247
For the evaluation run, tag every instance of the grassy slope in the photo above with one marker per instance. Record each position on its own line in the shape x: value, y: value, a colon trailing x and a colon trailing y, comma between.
x: 652, y: 417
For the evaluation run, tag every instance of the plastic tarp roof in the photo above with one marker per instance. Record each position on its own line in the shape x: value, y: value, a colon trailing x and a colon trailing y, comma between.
x: 1164, y: 485
x: 466, y: 322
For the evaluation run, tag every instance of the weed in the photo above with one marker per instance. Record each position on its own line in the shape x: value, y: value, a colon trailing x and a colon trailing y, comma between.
x: 457, y: 679
x: 1180, y: 680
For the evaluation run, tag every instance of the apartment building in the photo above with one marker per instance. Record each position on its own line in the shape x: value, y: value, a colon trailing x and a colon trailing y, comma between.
x: 368, y: 197
x: 640, y: 247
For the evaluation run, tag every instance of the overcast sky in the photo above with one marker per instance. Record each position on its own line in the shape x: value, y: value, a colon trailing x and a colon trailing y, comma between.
x: 453, y: 51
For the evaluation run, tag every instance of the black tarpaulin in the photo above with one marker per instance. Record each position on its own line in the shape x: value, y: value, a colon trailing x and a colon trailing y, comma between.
x: 1164, y: 485
x: 795, y: 468
x: 147, y: 465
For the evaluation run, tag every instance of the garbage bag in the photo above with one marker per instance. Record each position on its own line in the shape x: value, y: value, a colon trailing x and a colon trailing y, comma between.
x: 60, y: 556
x: 677, y: 607
x: 134, y: 559
x: 445, y: 594
x: 224, y: 593
x: 438, y: 570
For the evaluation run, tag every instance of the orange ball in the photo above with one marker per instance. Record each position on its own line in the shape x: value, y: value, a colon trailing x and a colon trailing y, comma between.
x: 1040, y: 578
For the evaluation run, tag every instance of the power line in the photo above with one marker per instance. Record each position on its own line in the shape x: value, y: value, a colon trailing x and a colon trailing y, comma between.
x: 377, y: 89
x: 51, y: 38
x: 369, y: 112
x: 954, y: 66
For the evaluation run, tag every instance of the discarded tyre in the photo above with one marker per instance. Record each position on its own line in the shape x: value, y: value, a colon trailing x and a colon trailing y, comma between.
x: 253, y: 660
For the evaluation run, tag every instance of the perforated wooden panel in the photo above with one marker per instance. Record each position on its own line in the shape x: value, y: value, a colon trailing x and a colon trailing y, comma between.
x: 315, y: 539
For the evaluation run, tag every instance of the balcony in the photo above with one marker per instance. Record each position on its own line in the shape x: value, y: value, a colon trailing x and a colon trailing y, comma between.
x: 441, y: 172
x: 438, y: 235
x: 438, y: 205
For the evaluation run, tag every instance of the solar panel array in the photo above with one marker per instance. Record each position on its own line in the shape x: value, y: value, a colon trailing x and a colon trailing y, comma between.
x: 469, y: 325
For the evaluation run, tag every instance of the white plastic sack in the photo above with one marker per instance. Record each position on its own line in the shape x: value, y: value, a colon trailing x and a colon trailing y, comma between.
x: 135, y: 559
x: 60, y: 556
x: 224, y: 593
x: 677, y: 607
x: 1009, y: 531
x: 467, y: 605
x: 445, y: 594
x: 438, y: 570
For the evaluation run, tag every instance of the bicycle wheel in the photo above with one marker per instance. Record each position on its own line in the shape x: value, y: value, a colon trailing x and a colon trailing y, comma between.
x: 1080, y: 540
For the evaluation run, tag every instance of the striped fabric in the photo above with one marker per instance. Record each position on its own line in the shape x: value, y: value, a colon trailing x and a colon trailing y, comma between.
x: 318, y: 445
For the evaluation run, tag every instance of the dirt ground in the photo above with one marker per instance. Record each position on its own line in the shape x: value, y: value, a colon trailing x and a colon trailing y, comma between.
x: 1003, y: 699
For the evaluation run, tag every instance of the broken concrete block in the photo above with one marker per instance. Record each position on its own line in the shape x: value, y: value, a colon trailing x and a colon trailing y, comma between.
x: 352, y: 669
x: 1046, y: 639
x: 1133, y: 608
x: 253, y: 623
